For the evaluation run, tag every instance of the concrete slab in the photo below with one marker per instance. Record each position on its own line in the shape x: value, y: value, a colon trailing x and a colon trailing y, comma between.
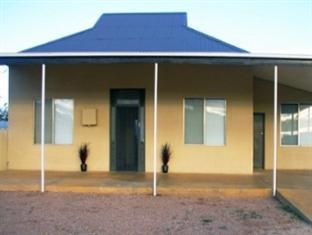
x: 257, y: 184
x: 294, y: 179
x: 299, y: 200
x: 294, y: 188
x: 137, y: 183
x: 215, y: 184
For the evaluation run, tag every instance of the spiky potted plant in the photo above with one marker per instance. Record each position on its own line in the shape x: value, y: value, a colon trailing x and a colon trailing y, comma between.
x: 83, y: 155
x: 166, y: 154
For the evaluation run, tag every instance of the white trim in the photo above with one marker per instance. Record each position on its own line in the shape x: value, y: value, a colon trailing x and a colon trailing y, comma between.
x: 157, y: 54
x: 42, y: 149
x: 275, y: 128
x: 155, y: 130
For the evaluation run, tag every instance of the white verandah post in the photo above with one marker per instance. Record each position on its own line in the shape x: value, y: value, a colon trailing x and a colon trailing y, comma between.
x: 42, y: 149
x: 275, y: 128
x: 155, y: 130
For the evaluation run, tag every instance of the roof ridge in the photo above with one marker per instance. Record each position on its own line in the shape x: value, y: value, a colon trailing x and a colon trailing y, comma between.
x: 146, y: 13
x: 152, y: 18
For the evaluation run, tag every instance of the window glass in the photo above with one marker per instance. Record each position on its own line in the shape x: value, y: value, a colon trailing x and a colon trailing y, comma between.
x: 193, y: 125
x: 63, y: 121
x: 214, y: 121
x: 289, y: 124
x: 58, y: 121
x: 305, y: 124
x: 48, y: 121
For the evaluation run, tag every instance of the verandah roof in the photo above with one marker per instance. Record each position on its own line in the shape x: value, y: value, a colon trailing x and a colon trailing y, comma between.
x: 295, y: 70
x: 218, y: 58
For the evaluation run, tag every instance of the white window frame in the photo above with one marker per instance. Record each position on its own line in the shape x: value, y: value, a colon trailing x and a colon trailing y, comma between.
x: 280, y: 124
x: 204, y: 119
x: 53, y: 116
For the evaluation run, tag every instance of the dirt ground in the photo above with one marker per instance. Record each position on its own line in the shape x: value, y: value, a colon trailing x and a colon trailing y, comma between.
x: 70, y: 213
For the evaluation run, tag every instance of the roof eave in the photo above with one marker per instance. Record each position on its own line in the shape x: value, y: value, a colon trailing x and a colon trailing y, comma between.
x: 150, y: 57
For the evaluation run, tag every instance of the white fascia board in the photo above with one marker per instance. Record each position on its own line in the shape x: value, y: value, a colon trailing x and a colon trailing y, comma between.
x: 157, y: 54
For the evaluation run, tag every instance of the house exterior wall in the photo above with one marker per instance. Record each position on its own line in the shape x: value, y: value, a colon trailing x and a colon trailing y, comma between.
x: 289, y: 157
x: 3, y: 149
x: 234, y: 84
x: 89, y: 86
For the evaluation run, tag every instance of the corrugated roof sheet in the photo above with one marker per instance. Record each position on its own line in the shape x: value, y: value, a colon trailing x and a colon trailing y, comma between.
x: 138, y: 32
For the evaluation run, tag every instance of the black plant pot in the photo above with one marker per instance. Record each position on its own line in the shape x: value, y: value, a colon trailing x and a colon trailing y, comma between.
x: 165, y: 168
x: 83, y: 167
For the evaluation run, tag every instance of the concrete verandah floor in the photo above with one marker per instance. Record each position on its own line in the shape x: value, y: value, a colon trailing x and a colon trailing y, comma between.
x: 30, y: 180
x: 294, y: 186
x: 105, y: 182
x: 99, y: 181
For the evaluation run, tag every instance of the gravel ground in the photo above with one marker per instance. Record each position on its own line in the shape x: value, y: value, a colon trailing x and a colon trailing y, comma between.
x: 69, y: 213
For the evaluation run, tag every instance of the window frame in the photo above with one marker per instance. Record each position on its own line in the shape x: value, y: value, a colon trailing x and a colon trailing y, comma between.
x: 53, y: 117
x: 204, y: 119
x: 280, y: 124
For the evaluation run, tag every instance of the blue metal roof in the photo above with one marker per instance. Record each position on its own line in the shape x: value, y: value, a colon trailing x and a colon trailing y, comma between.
x: 138, y: 32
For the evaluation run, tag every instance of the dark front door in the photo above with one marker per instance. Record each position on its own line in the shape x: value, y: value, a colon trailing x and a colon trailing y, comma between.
x: 127, y: 138
x: 259, y: 140
x: 127, y: 144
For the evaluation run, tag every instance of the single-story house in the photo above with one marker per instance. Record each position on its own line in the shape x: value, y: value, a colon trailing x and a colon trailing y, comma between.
x: 134, y: 82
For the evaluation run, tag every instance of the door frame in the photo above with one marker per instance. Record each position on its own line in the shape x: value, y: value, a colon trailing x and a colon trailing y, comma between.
x: 263, y: 137
x: 136, y: 93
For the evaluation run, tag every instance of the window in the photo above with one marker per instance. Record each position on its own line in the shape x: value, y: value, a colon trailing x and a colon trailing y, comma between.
x: 289, y: 124
x: 296, y: 124
x: 204, y: 121
x: 194, y: 119
x: 58, y: 121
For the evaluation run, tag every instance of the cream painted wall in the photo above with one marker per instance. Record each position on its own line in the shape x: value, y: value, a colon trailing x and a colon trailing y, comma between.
x: 232, y: 83
x: 89, y: 86
x: 289, y: 157
x: 3, y: 149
